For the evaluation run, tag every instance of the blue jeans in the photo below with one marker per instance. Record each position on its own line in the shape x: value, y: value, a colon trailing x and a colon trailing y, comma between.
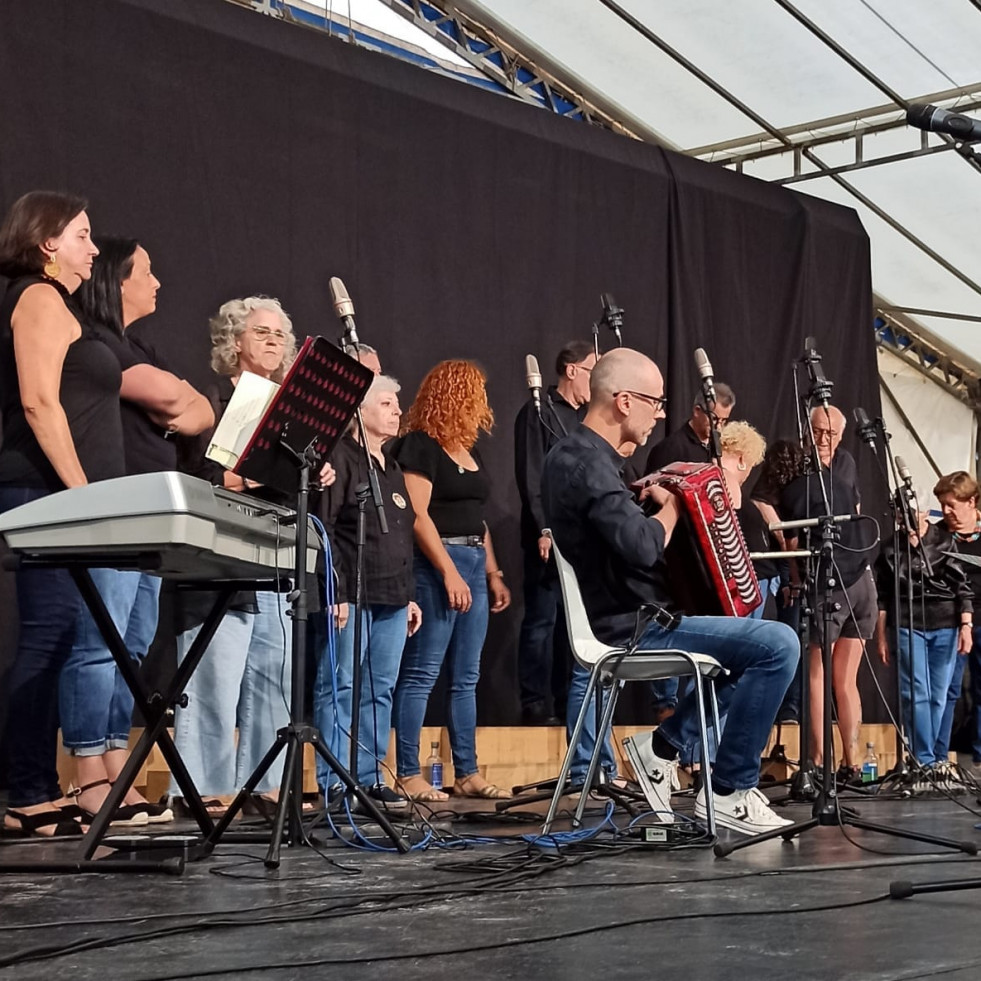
x: 934, y: 654
x: 761, y: 657
x: 47, y: 608
x: 445, y: 635
x: 383, y: 633
x: 96, y: 704
x: 942, y: 747
x: 587, y: 738
x: 768, y: 587
x: 243, y: 680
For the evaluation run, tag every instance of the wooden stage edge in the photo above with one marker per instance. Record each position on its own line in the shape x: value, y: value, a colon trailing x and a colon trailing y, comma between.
x: 511, y: 755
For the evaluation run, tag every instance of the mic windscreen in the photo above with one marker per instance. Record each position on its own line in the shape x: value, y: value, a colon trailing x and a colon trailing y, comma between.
x: 810, y: 345
x: 920, y: 115
x: 343, y: 304
x: 533, y: 375
x: 702, y: 363
x: 861, y: 417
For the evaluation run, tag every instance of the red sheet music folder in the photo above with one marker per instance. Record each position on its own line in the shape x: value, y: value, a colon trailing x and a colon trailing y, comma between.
x: 318, y: 397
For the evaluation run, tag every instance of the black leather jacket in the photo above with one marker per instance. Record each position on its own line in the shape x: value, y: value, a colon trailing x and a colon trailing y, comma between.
x: 945, y: 593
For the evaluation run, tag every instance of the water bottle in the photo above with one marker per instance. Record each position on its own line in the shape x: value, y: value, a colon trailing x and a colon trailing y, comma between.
x: 434, y: 767
x: 870, y: 765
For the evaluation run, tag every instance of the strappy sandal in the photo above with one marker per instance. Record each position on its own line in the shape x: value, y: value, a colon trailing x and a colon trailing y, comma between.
x: 428, y: 795
x: 125, y: 816
x: 31, y: 824
x: 216, y: 808
x: 487, y: 791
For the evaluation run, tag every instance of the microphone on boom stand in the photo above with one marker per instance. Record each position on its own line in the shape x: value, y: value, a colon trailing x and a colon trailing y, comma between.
x: 821, y: 388
x: 707, y: 376
x: 534, y: 378
x: 612, y: 315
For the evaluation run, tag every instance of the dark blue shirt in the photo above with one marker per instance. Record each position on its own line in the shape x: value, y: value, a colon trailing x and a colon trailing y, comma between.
x: 614, y: 547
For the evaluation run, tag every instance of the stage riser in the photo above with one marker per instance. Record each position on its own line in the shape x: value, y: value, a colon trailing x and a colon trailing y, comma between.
x: 510, y: 755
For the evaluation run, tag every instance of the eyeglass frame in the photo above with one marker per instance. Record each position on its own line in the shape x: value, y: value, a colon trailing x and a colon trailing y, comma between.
x: 658, y: 401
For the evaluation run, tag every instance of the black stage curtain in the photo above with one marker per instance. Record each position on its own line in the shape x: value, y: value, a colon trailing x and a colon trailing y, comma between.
x: 251, y: 156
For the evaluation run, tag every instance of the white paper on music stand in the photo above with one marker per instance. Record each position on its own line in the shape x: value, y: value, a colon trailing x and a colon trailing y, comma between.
x: 245, y: 410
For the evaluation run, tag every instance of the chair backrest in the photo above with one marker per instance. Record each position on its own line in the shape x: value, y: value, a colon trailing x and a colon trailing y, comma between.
x: 586, y: 649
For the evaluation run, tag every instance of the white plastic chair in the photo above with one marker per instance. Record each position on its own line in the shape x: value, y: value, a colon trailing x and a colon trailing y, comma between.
x: 613, y: 666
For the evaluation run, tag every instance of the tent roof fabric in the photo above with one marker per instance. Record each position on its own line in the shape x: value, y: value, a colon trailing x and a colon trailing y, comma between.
x: 803, y: 92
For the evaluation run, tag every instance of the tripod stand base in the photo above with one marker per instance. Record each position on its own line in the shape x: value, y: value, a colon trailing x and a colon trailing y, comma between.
x: 289, y: 808
x: 831, y: 815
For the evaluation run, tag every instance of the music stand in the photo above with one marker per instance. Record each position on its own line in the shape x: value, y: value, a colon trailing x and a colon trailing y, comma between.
x: 303, y: 423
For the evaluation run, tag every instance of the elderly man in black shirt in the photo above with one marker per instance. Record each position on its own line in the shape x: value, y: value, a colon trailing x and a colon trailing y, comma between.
x: 543, y: 655
x: 617, y: 552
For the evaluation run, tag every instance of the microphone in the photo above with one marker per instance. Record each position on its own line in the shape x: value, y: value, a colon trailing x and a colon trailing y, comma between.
x: 821, y: 388
x: 344, y: 308
x: 705, y: 372
x: 612, y: 315
x: 937, y: 120
x: 837, y: 519
x: 534, y: 378
x: 866, y: 428
x: 904, y: 474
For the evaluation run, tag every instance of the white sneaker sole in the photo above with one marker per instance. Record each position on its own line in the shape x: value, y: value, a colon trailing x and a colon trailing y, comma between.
x: 657, y: 802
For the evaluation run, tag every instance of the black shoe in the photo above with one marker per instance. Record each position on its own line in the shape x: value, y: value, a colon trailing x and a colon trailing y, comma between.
x: 535, y: 714
x: 386, y: 799
x: 848, y: 776
x: 788, y: 717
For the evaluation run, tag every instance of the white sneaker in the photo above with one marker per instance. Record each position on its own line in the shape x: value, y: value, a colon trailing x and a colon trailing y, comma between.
x: 657, y: 777
x: 745, y: 811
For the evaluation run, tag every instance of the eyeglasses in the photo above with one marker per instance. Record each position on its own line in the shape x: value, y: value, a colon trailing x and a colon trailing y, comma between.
x: 583, y: 367
x: 825, y: 433
x: 658, y: 401
x: 279, y: 336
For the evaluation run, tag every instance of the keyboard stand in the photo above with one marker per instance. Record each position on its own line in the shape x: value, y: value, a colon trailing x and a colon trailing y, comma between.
x: 153, y: 706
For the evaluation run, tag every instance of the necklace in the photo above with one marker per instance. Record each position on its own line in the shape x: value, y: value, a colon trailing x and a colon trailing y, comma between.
x: 973, y: 536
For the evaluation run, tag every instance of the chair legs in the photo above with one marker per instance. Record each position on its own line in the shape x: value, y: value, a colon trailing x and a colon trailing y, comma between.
x: 605, y: 723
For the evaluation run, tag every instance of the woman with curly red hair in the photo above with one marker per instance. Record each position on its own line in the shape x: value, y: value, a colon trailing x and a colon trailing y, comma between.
x: 457, y: 577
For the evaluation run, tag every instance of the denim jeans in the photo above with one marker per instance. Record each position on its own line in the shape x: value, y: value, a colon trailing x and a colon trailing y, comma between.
x: 942, y: 747
x: 761, y: 657
x: 789, y: 614
x: 768, y: 587
x: 96, y: 704
x: 587, y: 738
x: 243, y: 680
x: 535, y: 649
x: 383, y: 633
x: 450, y: 636
x: 934, y: 654
x: 47, y: 608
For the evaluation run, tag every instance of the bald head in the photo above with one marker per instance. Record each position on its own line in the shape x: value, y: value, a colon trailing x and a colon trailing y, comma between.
x: 625, y: 399
x: 833, y: 416
x: 622, y: 370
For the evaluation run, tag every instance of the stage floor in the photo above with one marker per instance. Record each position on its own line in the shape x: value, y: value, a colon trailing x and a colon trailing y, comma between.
x: 816, y: 908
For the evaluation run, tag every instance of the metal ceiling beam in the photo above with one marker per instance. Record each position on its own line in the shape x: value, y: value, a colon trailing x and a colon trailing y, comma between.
x: 958, y: 375
x: 511, y: 60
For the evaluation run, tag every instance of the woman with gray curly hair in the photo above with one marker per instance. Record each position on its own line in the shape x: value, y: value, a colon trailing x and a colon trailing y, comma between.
x: 243, y: 681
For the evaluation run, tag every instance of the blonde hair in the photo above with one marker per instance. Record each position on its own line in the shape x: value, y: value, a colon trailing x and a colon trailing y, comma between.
x: 229, y: 322
x: 741, y: 437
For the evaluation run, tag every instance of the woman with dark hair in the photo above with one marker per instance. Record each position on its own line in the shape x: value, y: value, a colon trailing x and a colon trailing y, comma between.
x: 455, y: 570
x: 59, y: 398
x: 96, y: 705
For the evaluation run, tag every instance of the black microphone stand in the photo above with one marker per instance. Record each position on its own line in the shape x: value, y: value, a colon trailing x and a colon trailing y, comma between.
x: 827, y: 810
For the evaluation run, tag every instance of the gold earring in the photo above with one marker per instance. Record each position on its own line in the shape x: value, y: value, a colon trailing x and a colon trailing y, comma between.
x: 51, y: 268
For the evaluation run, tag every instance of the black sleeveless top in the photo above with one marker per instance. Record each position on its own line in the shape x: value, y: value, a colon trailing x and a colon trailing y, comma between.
x: 89, y: 394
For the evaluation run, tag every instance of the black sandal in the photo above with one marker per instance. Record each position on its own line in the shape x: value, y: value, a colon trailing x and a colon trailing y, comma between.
x: 125, y: 816
x: 31, y: 824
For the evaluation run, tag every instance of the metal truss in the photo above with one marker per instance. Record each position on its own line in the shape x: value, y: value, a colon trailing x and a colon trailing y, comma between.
x: 489, y: 51
x: 897, y: 333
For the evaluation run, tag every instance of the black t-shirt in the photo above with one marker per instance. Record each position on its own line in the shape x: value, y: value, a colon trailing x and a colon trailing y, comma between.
x: 387, y: 558
x: 459, y: 495
x: 148, y: 448
x: 759, y: 538
x: 973, y: 571
x: 802, y: 498
x: 89, y: 395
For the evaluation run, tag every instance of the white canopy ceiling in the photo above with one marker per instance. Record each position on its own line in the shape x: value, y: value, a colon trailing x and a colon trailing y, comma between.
x: 809, y: 93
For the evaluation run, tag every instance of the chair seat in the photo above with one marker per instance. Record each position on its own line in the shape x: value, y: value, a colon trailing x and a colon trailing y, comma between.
x: 647, y: 665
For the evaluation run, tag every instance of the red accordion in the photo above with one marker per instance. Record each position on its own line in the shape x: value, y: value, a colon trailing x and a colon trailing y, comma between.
x: 711, y: 572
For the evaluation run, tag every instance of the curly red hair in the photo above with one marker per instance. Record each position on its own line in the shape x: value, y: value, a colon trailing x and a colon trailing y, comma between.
x: 451, y: 405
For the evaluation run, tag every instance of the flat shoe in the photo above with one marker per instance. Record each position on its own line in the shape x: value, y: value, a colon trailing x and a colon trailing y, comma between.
x: 30, y: 825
